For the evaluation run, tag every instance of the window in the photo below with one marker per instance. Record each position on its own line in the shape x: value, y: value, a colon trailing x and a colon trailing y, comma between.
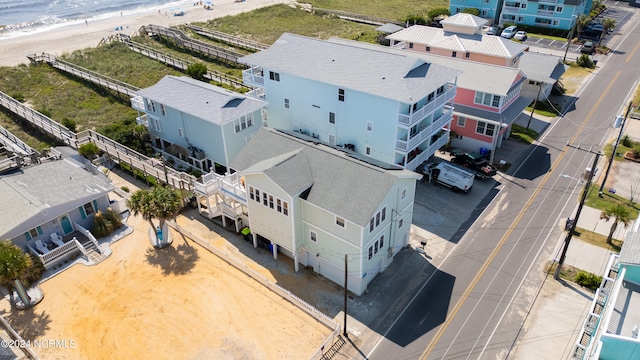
x: 251, y: 193
x: 286, y: 103
x: 495, y: 101
x: 487, y: 99
x: 523, y: 5
x: 257, y: 195
x: 431, y: 96
x: 274, y: 76
x: 381, y: 241
x: 428, y: 48
x: 384, y: 213
x: 164, y: 113
x: 410, y: 45
x: 375, y: 247
x: 461, y: 121
x: 559, y: 9
x: 250, y: 120
x: 285, y: 208
x: 400, y: 222
x: 403, y: 194
x: 556, y: 22
x: 340, y: 94
x: 339, y: 221
x: 371, y: 224
x: 367, y: 150
x: 313, y: 236
x: 88, y: 208
x: 35, y: 232
x: 370, y: 252
x: 454, y: 53
x: 180, y: 132
x: 484, y: 13
x: 151, y: 105
x: 265, y: 201
x: 279, y: 205
x: 271, y: 201
x: 520, y: 18
x: 378, y: 219
x: 156, y: 124
x: 485, y: 128
x: 369, y: 126
x: 332, y: 118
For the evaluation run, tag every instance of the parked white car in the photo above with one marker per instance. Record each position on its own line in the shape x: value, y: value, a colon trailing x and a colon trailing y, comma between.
x: 509, y: 32
x: 520, y: 35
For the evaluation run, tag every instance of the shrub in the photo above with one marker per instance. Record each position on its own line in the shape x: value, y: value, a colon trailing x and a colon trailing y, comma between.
x: 35, y: 272
x: 89, y: 150
x: 69, y: 124
x: 101, y: 227
x: 439, y: 12
x: 197, y: 70
x: 588, y: 280
x: 626, y: 141
x: 113, y: 218
x: 124, y: 188
x: 472, y: 11
x: 585, y: 61
x: 415, y: 20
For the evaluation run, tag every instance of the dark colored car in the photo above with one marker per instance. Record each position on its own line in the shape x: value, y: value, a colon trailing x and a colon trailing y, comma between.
x: 476, y: 162
x: 494, y: 30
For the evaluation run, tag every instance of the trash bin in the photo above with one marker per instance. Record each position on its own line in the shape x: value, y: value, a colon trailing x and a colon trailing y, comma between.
x: 484, y: 152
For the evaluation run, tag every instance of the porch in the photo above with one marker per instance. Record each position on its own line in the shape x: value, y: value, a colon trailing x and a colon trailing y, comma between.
x: 80, y: 240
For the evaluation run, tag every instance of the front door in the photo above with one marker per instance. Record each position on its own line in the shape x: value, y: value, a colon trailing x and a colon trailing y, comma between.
x: 66, y: 224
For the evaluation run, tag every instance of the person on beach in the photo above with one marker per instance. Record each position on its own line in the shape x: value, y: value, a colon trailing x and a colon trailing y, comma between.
x: 86, y: 22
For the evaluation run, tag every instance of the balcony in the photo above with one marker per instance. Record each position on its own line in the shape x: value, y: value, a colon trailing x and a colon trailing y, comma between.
x: 426, y: 131
x: 545, y: 12
x: 257, y: 93
x: 510, y: 9
x: 548, y: 1
x: 137, y: 103
x: 143, y: 120
x: 229, y: 185
x: 426, y: 154
x: 410, y: 119
x: 400, y: 45
x: 253, y: 77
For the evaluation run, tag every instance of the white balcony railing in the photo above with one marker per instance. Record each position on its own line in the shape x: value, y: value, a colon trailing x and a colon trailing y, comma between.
x: 137, y: 103
x: 410, y: 119
x: 253, y: 77
x: 227, y: 184
x: 425, y: 154
x: 548, y: 1
x: 143, y: 120
x: 545, y: 12
x: 510, y: 9
x: 257, y: 93
x: 425, y: 132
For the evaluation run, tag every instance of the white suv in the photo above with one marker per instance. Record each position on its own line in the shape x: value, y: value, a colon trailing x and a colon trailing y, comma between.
x: 509, y: 32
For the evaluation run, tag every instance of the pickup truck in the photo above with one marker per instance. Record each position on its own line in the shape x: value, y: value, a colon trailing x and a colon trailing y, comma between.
x: 475, y: 162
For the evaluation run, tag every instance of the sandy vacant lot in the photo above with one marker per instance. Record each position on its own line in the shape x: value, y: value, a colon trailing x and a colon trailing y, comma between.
x: 181, y: 302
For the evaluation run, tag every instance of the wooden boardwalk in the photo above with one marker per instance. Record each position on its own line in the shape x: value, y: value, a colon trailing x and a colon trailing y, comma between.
x: 229, y: 39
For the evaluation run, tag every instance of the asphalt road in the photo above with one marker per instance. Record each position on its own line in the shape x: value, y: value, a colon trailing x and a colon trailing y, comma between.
x: 475, y: 301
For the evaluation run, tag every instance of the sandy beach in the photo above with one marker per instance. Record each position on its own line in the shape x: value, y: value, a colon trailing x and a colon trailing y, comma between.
x: 74, y: 37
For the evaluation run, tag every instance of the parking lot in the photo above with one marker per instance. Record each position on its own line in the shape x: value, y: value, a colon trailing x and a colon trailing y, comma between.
x: 620, y: 11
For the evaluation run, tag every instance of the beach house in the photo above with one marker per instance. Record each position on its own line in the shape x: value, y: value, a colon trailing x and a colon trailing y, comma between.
x: 392, y: 107
x: 319, y: 204
x: 489, y: 9
x: 47, y: 208
x: 543, y: 72
x: 195, y: 124
x: 460, y: 37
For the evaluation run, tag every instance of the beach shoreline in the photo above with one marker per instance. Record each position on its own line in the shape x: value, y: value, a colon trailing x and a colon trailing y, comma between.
x: 74, y: 37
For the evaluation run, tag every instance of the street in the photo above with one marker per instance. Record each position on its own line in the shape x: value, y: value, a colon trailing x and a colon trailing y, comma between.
x: 473, y: 304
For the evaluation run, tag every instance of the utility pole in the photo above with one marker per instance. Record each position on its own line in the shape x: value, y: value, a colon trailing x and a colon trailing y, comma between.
x: 572, y: 228
x: 535, y: 102
x: 346, y: 276
x: 615, y: 148
x: 569, y: 40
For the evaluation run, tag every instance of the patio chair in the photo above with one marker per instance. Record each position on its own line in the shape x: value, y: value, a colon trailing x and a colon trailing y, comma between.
x: 57, y: 239
x: 41, y: 247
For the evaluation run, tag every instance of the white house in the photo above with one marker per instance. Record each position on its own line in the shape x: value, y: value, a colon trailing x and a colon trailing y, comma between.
x: 543, y: 71
x: 197, y: 124
x: 395, y: 108
x: 318, y: 203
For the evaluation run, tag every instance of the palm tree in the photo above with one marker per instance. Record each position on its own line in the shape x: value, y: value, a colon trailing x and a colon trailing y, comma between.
x: 581, y: 21
x: 607, y: 24
x: 15, y: 264
x: 620, y: 214
x: 159, y: 202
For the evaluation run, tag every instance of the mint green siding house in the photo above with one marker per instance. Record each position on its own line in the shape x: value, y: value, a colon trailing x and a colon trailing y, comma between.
x: 317, y: 203
x: 196, y: 124
x: 394, y: 108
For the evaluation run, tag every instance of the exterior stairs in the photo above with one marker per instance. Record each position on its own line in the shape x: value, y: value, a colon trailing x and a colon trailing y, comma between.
x: 93, y: 253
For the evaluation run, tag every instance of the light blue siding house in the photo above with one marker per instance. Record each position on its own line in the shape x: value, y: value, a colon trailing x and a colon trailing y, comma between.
x: 394, y: 108
x: 489, y: 9
x: 556, y: 14
x: 317, y: 203
x: 57, y: 199
x: 197, y: 124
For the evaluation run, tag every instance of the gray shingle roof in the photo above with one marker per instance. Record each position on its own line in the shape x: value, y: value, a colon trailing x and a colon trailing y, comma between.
x: 542, y: 67
x: 476, y: 43
x: 200, y: 99
x: 43, y: 188
x: 347, y: 187
x: 510, y: 114
x: 476, y: 76
x: 369, y: 71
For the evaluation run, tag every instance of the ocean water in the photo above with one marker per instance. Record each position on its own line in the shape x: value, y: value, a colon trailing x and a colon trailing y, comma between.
x: 20, y: 17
